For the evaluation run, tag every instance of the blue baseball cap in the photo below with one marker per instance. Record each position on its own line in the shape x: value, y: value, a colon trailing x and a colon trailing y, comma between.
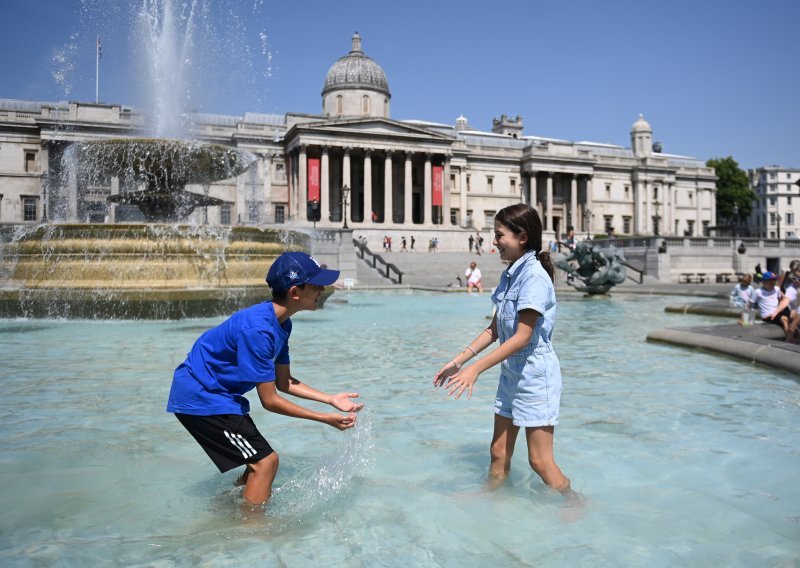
x: 297, y: 268
x: 769, y: 276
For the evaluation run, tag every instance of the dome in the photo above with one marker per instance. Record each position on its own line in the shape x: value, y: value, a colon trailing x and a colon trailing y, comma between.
x: 356, y: 71
x: 641, y: 125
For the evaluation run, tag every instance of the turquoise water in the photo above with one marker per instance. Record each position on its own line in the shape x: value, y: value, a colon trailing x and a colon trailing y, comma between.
x: 684, y: 458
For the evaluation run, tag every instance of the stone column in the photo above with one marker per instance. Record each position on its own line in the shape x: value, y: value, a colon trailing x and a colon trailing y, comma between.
x: 648, y: 208
x: 368, y: 186
x: 713, y: 206
x: 549, y: 205
x: 698, y: 224
x: 589, y: 203
x: 407, y: 191
x: 302, y: 197
x: 426, y: 200
x: 573, y: 202
x: 446, y: 193
x: 387, y: 188
x: 637, y: 208
x: 462, y: 201
x: 346, y: 182
x: 325, y: 187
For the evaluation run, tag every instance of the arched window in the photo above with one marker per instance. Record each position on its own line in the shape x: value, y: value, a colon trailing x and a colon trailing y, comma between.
x: 365, y: 104
x: 339, y: 105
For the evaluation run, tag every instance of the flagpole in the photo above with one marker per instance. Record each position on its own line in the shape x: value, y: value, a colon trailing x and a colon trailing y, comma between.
x: 97, y: 72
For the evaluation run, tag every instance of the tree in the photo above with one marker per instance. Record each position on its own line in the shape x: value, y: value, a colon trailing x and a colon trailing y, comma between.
x: 734, y: 196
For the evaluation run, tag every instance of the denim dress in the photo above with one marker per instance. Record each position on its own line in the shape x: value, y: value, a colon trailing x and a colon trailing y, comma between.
x: 529, y: 392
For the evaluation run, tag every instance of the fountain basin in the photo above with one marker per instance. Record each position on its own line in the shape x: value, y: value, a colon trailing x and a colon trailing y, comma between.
x: 136, y: 271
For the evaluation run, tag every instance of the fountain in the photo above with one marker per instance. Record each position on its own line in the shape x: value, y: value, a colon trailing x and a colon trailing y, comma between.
x: 164, y: 267
x: 597, y: 269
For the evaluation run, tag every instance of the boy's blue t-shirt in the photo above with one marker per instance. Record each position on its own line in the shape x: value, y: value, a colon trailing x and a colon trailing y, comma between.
x: 230, y: 360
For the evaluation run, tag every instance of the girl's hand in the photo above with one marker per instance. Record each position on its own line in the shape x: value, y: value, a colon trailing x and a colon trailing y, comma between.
x: 462, y: 381
x: 342, y: 402
x: 449, y: 369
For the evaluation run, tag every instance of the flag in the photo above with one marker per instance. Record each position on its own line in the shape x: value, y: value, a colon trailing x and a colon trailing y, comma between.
x: 99, y: 49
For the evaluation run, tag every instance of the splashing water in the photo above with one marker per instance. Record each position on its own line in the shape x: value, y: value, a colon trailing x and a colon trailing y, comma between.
x: 328, y: 480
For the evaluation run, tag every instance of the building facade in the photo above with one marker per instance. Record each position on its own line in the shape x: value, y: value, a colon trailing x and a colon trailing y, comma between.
x: 777, y: 207
x: 353, y: 164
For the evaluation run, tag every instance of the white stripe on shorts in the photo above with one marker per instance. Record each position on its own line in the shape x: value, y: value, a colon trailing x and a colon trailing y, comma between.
x: 241, y: 444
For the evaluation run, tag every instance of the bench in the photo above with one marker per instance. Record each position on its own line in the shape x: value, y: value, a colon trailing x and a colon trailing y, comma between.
x: 693, y: 278
x: 726, y: 278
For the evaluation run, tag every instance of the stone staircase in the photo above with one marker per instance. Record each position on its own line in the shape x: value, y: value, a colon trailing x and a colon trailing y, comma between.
x: 437, y: 270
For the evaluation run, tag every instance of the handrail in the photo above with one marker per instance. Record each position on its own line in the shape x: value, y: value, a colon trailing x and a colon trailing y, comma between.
x: 640, y: 271
x: 376, y: 258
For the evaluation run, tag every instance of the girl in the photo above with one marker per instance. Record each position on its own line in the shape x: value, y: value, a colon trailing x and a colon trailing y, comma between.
x: 529, y: 392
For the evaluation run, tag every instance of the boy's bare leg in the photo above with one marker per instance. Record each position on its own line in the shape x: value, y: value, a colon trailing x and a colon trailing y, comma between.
x: 501, y: 451
x: 258, y: 479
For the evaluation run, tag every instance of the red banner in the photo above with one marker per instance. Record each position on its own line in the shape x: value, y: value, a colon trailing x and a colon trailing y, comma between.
x: 438, y: 180
x: 313, y: 179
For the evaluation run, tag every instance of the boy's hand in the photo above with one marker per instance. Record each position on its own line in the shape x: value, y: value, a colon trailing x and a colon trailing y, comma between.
x: 341, y: 421
x: 342, y: 402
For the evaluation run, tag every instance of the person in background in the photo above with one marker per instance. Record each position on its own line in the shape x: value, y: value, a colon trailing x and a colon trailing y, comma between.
x: 790, y: 300
x: 471, y: 242
x: 767, y: 298
x: 742, y: 292
x: 474, y: 276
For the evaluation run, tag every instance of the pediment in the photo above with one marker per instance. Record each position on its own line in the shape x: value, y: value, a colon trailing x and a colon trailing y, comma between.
x: 371, y: 126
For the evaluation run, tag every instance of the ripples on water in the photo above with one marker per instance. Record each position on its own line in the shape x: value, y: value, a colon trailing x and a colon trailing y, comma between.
x: 684, y: 457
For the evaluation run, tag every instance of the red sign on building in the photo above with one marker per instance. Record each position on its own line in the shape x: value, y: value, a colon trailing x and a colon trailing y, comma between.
x: 438, y: 185
x: 313, y: 179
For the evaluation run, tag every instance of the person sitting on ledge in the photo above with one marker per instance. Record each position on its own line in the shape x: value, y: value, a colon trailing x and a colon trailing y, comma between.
x: 742, y: 292
x: 768, y: 298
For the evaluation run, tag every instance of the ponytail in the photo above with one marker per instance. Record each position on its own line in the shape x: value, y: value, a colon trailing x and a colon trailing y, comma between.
x: 547, y: 264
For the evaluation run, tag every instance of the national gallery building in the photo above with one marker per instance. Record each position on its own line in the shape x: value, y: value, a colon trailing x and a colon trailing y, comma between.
x: 354, y: 165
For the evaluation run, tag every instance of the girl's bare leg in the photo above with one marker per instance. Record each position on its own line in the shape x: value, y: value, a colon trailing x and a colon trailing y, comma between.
x: 540, y: 456
x: 502, y: 449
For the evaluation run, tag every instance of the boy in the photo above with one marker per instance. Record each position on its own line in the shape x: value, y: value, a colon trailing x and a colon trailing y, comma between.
x: 767, y: 299
x: 250, y: 350
x: 742, y: 293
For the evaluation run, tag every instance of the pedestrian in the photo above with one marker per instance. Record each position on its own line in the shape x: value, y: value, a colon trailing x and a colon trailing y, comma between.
x: 471, y: 241
x: 768, y: 300
x: 413, y: 240
x: 250, y: 350
x: 529, y: 392
x: 403, y: 244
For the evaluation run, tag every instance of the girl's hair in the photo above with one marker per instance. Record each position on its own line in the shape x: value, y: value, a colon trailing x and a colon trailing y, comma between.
x: 523, y: 219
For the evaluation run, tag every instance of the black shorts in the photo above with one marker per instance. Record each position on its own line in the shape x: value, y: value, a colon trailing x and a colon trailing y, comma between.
x: 230, y: 440
x: 777, y: 319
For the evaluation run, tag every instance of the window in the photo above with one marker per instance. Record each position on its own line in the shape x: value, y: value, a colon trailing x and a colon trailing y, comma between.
x: 626, y: 225
x: 452, y: 181
x: 225, y: 214
x: 30, y: 161
x: 772, y: 175
x: 772, y: 201
x: 469, y: 218
x: 280, y: 171
x: 706, y: 229
x: 689, y: 228
x: 772, y: 218
x: 365, y: 104
x: 608, y: 221
x: 488, y: 218
x: 339, y: 105
x: 454, y: 216
x: 280, y: 214
x: 790, y: 218
x: 655, y: 194
x: 29, y: 208
x: 513, y: 186
x: 789, y: 200
x: 608, y: 190
x: 489, y: 184
x: 627, y: 191
x: 469, y: 184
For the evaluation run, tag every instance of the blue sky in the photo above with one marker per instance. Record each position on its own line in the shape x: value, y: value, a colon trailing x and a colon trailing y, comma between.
x: 713, y: 78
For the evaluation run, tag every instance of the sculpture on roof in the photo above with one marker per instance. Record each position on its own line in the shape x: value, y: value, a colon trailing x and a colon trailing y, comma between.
x: 594, y: 269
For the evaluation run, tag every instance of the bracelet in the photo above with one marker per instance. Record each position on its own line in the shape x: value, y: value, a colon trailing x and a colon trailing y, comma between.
x: 471, y: 349
x: 492, y: 335
x: 456, y: 365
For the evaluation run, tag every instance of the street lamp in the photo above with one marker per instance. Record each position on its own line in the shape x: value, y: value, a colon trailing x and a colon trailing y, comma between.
x: 735, y: 220
x: 656, y: 217
x: 778, y: 217
x: 345, y: 200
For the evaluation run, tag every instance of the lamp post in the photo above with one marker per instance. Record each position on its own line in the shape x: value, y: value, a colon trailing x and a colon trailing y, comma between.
x: 778, y: 217
x: 656, y: 217
x: 735, y: 221
x: 345, y: 200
